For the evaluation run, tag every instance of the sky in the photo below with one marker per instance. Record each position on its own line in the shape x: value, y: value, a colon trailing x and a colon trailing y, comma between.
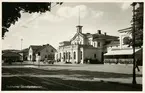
x: 60, y: 24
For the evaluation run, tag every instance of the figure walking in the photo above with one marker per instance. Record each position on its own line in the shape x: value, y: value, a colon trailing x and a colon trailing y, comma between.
x: 136, y: 65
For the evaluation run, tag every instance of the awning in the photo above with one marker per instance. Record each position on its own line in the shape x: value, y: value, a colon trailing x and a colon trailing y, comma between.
x: 121, y: 52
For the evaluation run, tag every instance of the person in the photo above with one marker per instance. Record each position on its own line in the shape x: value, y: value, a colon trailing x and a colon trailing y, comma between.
x: 45, y: 60
x: 136, y: 65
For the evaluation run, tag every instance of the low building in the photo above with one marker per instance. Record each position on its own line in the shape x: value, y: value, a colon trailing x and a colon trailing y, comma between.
x: 9, y: 57
x: 24, y: 53
x: 84, y: 47
x: 41, y: 51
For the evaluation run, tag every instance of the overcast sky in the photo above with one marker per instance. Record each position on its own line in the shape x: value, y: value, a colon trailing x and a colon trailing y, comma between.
x: 60, y: 24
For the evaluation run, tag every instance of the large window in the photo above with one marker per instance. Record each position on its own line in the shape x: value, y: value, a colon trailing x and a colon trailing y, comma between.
x: 74, y: 55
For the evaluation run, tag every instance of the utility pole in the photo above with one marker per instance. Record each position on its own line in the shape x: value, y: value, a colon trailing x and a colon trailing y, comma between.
x: 21, y: 50
x: 133, y: 42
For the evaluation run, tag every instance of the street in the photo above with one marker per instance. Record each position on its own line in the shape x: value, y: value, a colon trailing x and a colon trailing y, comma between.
x: 70, y: 78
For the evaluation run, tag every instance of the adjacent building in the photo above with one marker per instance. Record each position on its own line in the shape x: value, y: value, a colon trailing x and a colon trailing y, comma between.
x: 84, y: 47
x: 123, y: 53
x: 11, y: 56
x: 24, y: 53
x: 41, y: 52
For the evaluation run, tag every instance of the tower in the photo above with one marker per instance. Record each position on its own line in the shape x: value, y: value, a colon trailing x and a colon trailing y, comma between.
x: 79, y: 27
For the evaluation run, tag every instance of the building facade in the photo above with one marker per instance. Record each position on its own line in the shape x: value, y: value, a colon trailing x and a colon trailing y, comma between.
x: 84, y: 47
x: 123, y: 53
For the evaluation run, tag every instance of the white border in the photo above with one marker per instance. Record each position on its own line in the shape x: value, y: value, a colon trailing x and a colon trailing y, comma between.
x: 64, y: 2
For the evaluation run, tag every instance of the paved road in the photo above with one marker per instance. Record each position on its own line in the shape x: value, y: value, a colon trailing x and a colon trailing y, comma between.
x: 64, y: 77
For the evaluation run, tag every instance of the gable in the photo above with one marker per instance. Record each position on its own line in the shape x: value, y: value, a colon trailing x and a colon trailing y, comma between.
x: 77, y: 36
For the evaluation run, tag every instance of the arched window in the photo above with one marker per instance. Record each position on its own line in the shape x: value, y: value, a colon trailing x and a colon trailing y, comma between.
x: 81, y: 55
x: 74, y: 55
x: 64, y: 55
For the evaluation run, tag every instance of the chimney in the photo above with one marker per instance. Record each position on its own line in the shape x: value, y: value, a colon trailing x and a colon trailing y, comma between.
x: 99, y: 31
x: 105, y: 33
x: 79, y: 29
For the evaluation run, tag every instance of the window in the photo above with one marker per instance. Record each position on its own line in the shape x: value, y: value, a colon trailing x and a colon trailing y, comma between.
x: 60, y: 55
x: 98, y: 44
x: 94, y: 44
x: 52, y: 50
x: 81, y: 55
x: 69, y: 55
x: 38, y: 53
x: 94, y: 55
x: 74, y: 55
x: 64, y: 55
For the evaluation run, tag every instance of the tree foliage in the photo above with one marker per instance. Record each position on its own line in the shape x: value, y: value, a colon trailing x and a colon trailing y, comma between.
x: 139, y: 24
x: 11, y: 11
x: 126, y: 40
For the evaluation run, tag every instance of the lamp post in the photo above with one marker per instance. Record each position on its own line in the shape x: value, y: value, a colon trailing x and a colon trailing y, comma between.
x: 133, y: 43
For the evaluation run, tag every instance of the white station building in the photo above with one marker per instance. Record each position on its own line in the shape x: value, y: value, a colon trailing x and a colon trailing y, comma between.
x: 84, y: 47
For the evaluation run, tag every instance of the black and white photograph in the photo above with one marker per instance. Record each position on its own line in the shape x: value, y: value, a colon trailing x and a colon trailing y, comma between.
x: 72, y: 46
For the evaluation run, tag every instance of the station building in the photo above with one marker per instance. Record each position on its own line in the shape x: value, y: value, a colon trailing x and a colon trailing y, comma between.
x: 84, y: 47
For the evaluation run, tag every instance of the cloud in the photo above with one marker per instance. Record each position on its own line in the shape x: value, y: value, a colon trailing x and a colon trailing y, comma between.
x: 97, y: 14
x: 125, y: 5
x: 61, y: 14
x: 68, y: 12
x: 51, y: 17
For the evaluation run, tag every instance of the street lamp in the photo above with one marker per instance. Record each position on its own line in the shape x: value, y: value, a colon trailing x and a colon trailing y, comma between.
x: 133, y: 43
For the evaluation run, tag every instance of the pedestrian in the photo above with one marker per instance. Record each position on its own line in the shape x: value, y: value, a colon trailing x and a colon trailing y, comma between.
x: 136, y: 65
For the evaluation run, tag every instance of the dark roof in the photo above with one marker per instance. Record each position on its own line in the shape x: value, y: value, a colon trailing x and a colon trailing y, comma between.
x: 38, y: 48
x: 10, y: 50
x: 11, y: 54
x: 35, y: 47
x: 24, y: 50
x: 101, y: 36
x: 114, y: 43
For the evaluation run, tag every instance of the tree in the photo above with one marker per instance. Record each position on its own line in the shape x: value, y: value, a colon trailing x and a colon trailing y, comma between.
x: 11, y: 11
x: 139, y: 25
x: 126, y: 40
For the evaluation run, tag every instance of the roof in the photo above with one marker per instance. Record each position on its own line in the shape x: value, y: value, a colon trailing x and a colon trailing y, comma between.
x: 11, y: 54
x: 125, y: 30
x: 114, y: 43
x: 102, y: 36
x: 10, y: 50
x: 35, y: 47
x: 24, y: 50
x: 121, y: 52
x: 38, y: 48
x: 96, y: 36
